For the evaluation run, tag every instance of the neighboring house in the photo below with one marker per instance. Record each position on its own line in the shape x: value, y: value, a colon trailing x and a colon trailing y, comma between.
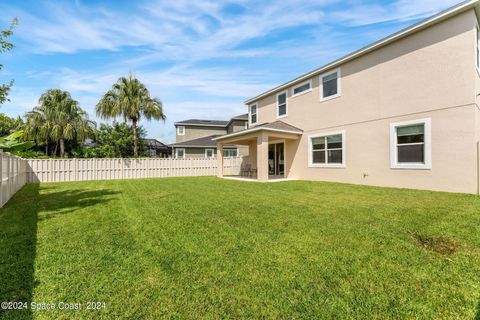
x: 402, y: 112
x: 194, y: 137
x: 157, y: 149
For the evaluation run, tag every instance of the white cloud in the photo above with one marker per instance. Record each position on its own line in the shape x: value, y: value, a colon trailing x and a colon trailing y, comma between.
x: 400, y: 10
x: 171, y: 46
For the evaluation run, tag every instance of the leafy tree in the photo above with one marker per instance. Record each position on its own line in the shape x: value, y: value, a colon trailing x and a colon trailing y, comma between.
x: 8, y: 125
x: 58, y: 118
x: 112, y: 141
x: 5, y: 45
x: 13, y: 142
x: 130, y: 99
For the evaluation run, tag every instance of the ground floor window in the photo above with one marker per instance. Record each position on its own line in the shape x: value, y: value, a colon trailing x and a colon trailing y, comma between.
x: 209, y: 153
x: 179, y: 153
x: 230, y: 153
x: 327, y: 150
x: 410, y: 144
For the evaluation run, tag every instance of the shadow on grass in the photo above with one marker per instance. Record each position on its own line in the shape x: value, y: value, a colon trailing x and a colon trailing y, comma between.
x: 56, y: 203
x: 18, y: 237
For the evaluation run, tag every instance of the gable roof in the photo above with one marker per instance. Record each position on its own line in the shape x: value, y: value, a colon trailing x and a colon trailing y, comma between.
x: 204, y: 142
x: 212, y: 123
x: 276, y: 126
x: 443, y: 15
x: 200, y: 122
x: 240, y: 117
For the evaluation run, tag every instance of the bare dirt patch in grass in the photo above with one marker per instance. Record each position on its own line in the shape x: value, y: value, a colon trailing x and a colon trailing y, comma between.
x: 439, y: 244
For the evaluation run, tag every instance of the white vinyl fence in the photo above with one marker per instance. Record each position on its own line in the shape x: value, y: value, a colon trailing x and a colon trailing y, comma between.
x: 13, y: 175
x: 59, y: 170
x: 15, y: 171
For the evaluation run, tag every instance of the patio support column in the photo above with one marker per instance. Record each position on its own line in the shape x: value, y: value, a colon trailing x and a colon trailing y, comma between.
x: 262, y: 157
x: 220, y: 160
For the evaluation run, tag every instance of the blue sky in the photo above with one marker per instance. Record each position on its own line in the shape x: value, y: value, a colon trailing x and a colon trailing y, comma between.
x: 203, y: 59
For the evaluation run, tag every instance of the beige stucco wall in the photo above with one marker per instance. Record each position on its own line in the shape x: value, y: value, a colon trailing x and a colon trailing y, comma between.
x: 368, y: 155
x: 194, y: 132
x: 428, y: 74
x: 236, y: 125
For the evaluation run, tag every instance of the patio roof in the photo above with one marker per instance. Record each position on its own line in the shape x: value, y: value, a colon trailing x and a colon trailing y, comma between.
x: 203, y: 142
x: 277, y: 126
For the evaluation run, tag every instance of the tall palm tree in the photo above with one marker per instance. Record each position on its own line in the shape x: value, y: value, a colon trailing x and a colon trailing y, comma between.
x: 130, y: 99
x: 59, y: 118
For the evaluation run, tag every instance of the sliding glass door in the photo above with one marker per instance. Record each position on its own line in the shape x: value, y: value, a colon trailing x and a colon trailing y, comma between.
x: 276, y: 159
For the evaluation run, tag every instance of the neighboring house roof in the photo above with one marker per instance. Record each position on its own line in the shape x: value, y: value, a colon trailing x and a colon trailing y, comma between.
x: 240, y: 117
x: 277, y: 126
x: 154, y: 143
x: 211, y: 123
x: 204, y: 142
x: 199, y: 122
x: 459, y: 8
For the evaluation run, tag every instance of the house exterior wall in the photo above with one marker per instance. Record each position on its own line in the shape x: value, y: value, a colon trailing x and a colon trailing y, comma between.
x: 429, y: 74
x: 195, y: 132
x: 200, y: 152
x: 236, y: 125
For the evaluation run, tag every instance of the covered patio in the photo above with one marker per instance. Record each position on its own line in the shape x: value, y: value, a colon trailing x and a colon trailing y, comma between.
x: 269, y: 155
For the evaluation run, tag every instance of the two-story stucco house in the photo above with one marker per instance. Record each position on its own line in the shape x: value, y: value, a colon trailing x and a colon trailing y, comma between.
x: 401, y: 112
x: 194, y: 137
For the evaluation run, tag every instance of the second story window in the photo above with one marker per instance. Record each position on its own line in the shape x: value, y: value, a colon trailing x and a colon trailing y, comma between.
x: 302, y: 88
x: 253, y: 114
x: 330, y: 85
x: 181, y: 130
x: 282, y: 104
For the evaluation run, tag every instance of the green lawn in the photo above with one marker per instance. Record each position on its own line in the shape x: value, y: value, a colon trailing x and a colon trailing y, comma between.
x: 210, y: 248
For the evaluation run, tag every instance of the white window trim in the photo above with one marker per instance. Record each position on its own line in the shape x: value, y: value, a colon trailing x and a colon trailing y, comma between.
x: 327, y: 165
x: 427, y: 123
x: 183, y: 131
x: 286, y: 105
x: 176, y: 153
x: 237, y: 151
x: 213, y: 153
x: 250, y: 113
x: 303, y: 92
x: 339, y: 85
x: 246, y: 125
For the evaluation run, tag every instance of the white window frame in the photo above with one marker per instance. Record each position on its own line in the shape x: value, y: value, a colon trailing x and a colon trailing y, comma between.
x: 286, y: 105
x: 176, y: 153
x: 326, y: 164
x: 237, y: 151
x: 246, y: 125
x: 250, y: 113
x: 303, y: 92
x: 339, y: 84
x: 182, y: 133
x: 213, y: 153
x: 427, y: 125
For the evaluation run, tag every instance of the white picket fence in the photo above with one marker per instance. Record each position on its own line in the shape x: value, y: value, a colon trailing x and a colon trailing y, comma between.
x: 59, y: 170
x: 13, y: 172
